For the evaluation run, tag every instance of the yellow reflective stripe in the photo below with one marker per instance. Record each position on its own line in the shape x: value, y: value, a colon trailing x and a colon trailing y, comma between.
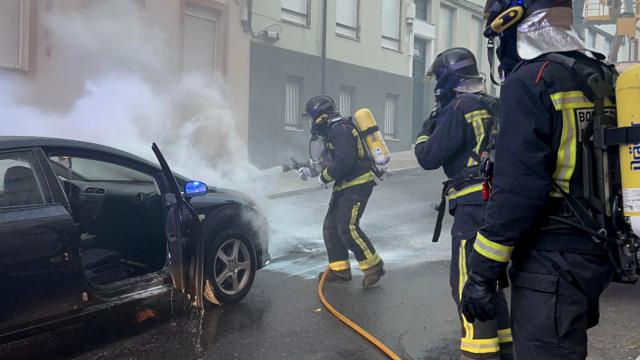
x: 362, y: 179
x: 365, y: 264
x: 421, y: 139
x: 371, y: 259
x: 462, y: 279
x: 476, y: 115
x: 359, y: 143
x: 476, y: 119
x: 566, y: 157
x: 480, y: 346
x: 325, y: 176
x: 504, y: 335
x: 454, y: 194
x: 340, y: 265
x: 492, y: 250
x: 570, y: 100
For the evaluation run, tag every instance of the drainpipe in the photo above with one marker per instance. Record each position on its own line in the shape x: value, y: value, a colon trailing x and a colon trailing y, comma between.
x: 324, y: 45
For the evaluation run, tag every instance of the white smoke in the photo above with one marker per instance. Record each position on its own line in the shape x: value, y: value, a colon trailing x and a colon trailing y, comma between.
x: 110, y: 78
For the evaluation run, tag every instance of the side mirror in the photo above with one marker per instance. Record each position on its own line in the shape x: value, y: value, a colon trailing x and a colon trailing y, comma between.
x: 195, y: 189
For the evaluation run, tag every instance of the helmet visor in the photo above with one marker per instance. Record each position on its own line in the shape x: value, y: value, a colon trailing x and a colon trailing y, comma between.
x: 548, y: 30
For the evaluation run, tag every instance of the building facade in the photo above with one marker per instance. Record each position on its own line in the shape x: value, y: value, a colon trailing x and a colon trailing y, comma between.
x: 359, y: 52
x: 199, y: 35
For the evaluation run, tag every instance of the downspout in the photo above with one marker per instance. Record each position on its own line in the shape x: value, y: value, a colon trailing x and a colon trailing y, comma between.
x: 324, y: 46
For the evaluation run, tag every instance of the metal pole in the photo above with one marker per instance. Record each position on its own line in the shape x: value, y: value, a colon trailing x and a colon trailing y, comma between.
x: 324, y: 46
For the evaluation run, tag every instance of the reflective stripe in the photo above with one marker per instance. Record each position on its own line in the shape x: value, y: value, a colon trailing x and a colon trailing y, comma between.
x: 340, y: 265
x: 421, y: 139
x: 504, y: 335
x: 326, y: 178
x: 365, y: 264
x: 462, y: 279
x: 570, y: 100
x: 362, y: 179
x: 492, y: 250
x: 453, y: 194
x: 567, y: 103
x: 371, y: 259
x: 480, y: 346
x: 476, y: 119
x: 358, y: 143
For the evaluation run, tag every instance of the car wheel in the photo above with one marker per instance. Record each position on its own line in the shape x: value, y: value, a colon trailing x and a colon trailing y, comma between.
x: 230, y: 267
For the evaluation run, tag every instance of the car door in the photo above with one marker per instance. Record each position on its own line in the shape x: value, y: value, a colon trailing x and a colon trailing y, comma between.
x: 185, y: 243
x: 40, y: 278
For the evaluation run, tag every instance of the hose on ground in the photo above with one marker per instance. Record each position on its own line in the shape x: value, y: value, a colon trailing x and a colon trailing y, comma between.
x: 355, y: 327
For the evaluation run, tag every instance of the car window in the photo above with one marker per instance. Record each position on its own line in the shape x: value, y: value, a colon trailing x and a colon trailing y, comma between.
x: 76, y: 168
x: 19, y: 183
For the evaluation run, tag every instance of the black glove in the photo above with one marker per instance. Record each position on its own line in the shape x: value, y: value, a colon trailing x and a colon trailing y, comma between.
x: 477, y: 298
x: 429, y: 125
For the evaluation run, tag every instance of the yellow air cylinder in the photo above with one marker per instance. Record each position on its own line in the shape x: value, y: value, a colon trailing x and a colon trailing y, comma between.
x: 628, y: 114
x: 368, y: 127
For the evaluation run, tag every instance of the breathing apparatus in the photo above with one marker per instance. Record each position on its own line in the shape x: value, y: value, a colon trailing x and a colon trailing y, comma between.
x: 541, y: 30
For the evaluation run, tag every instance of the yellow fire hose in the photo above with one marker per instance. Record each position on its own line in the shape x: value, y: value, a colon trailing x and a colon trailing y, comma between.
x: 370, y: 338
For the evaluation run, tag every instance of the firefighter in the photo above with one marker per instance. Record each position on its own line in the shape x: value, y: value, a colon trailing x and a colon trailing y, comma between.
x: 345, y: 163
x: 454, y: 137
x: 557, y: 273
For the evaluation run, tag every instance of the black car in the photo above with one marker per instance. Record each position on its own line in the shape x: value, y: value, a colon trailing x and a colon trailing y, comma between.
x: 85, y: 227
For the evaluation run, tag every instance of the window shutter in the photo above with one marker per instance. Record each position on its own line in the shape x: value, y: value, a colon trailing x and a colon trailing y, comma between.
x: 445, y: 28
x: 346, y: 99
x: 10, y: 34
x: 347, y: 13
x: 390, y: 115
x: 298, y: 6
x: 294, y: 10
x: 292, y: 108
x: 391, y: 19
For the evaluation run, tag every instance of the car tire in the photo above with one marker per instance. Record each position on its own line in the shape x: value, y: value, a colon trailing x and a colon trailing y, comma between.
x: 231, y: 259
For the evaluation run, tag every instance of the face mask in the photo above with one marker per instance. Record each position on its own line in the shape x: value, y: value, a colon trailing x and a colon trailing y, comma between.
x: 507, y: 51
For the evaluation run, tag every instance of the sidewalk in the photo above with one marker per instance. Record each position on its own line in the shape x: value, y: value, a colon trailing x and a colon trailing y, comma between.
x: 284, y: 184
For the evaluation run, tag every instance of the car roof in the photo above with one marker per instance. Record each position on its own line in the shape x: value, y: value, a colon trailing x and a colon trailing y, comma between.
x: 18, y: 142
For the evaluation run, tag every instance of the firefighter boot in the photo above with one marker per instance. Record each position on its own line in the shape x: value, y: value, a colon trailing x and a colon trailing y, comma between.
x: 373, y: 274
x: 337, y: 275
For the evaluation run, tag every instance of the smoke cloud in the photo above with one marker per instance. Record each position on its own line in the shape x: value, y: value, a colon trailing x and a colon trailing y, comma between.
x: 111, y: 79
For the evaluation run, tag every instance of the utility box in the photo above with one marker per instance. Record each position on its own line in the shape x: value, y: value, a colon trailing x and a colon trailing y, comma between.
x: 626, y: 27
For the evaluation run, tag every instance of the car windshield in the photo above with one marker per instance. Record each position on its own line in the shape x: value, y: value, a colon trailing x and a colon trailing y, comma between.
x: 98, y: 171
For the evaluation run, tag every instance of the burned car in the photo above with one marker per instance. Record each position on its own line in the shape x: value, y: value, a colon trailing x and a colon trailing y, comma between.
x: 85, y: 227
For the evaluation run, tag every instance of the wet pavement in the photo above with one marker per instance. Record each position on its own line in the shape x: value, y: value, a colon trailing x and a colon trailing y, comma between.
x: 281, y: 318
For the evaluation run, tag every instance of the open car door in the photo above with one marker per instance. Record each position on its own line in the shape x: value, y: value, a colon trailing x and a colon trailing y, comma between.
x: 185, y: 243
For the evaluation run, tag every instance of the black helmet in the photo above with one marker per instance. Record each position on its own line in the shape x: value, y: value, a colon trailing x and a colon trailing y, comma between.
x: 450, y: 69
x: 503, y: 18
x: 320, y: 108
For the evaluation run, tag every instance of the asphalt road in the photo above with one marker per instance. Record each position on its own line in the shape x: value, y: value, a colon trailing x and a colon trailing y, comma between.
x: 281, y: 318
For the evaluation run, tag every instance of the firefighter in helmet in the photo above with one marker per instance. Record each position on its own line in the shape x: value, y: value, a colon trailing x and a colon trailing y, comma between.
x: 557, y: 273
x: 345, y: 163
x: 454, y: 137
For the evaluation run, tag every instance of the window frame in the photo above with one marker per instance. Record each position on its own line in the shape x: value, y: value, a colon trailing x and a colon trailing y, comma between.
x: 351, y: 90
x: 356, y: 29
x: 396, y: 101
x: 298, y: 127
x: 307, y: 16
x: 390, y: 43
x: 426, y: 11
x: 40, y: 175
x: 24, y: 34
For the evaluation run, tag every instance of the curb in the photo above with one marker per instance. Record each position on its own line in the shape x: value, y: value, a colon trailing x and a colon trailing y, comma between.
x: 317, y: 187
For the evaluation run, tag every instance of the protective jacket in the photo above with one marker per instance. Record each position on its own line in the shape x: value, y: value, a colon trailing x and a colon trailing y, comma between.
x: 461, y: 133
x: 348, y: 164
x: 546, y: 108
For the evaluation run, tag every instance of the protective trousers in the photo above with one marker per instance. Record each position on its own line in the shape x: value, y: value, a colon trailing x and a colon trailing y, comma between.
x: 479, y: 339
x: 341, y: 229
x: 554, y: 300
